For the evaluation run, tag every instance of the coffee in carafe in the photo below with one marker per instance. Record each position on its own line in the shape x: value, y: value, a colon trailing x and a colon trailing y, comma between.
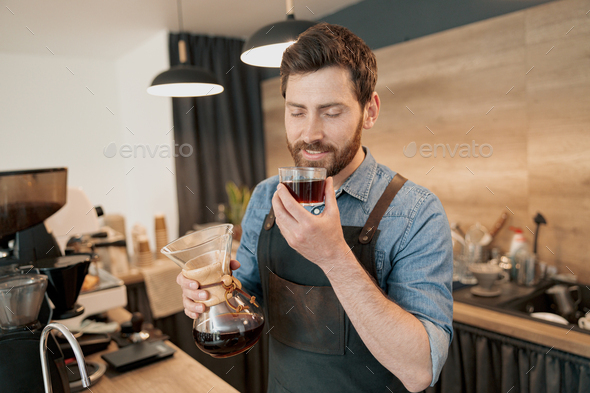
x: 229, y: 333
x: 233, y: 320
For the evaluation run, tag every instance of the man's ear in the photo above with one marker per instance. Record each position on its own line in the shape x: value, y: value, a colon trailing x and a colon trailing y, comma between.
x: 371, y: 111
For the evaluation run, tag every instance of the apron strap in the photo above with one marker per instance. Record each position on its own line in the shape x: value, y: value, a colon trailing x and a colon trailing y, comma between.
x: 374, y: 218
x: 381, y: 208
x: 270, y: 220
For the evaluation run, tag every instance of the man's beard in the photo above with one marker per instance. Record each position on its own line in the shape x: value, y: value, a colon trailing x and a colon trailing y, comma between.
x: 333, y: 163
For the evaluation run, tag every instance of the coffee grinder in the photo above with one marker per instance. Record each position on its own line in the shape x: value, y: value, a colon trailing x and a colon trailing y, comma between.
x: 32, y: 271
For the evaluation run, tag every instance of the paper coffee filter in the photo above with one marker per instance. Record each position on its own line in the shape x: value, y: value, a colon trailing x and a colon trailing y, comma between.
x: 206, y: 275
x: 210, y: 258
x: 209, y: 274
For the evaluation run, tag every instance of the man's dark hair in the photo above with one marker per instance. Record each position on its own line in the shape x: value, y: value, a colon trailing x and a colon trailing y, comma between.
x: 325, y: 45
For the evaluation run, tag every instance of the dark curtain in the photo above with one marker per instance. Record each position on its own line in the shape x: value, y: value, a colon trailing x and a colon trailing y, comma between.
x: 225, y: 130
x: 481, y: 361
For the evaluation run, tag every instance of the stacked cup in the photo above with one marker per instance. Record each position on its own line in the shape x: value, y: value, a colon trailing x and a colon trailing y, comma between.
x: 137, y: 231
x: 144, y: 257
x: 161, y: 235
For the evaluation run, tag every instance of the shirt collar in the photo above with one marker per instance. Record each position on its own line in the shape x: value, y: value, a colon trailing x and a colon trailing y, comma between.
x: 359, y: 183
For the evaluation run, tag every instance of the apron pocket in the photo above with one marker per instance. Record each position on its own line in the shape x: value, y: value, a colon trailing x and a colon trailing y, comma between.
x: 305, y: 317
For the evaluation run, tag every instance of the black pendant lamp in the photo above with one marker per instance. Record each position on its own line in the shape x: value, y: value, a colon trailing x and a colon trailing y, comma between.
x: 266, y: 46
x: 184, y: 80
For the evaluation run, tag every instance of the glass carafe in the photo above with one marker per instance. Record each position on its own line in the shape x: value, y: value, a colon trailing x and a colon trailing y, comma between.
x: 233, y: 320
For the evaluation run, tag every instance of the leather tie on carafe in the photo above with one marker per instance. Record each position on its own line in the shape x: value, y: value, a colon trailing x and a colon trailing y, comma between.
x: 219, y: 285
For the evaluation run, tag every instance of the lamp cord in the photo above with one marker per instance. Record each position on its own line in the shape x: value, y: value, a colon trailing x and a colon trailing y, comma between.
x: 181, y: 43
x: 179, y: 9
x: 289, y: 5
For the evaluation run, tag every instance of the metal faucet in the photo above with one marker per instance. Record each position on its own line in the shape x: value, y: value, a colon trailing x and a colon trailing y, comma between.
x: 75, y: 347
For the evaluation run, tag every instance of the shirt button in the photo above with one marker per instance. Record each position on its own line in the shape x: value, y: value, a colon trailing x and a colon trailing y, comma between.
x: 316, y: 211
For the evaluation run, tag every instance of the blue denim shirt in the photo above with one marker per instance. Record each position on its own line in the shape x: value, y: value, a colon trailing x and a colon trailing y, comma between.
x: 414, y: 257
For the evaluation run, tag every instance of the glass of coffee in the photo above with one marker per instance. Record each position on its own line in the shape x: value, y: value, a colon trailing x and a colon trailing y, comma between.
x: 306, y: 184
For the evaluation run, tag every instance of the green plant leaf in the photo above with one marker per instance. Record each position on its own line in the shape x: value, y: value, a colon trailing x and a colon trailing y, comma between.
x: 238, y: 197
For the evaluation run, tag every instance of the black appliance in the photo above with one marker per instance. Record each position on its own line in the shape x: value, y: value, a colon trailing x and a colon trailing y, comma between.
x: 32, y: 271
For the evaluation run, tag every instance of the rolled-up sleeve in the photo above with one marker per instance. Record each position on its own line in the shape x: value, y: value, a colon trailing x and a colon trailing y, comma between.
x: 421, y: 278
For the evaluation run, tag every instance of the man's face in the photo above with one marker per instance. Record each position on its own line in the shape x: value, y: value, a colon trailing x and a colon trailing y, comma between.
x: 323, y: 119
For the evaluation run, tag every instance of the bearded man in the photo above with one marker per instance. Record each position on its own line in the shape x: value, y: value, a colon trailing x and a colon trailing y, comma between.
x: 357, y: 290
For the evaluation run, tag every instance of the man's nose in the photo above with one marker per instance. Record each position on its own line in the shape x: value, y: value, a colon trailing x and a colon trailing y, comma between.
x: 313, y: 130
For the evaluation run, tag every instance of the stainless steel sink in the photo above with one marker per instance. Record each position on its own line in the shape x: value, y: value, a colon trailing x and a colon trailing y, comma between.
x: 522, y: 301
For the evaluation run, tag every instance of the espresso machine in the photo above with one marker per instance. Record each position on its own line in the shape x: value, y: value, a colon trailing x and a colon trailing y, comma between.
x: 37, y: 284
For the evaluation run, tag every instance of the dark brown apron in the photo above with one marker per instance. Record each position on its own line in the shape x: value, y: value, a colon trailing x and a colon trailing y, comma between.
x: 313, y: 345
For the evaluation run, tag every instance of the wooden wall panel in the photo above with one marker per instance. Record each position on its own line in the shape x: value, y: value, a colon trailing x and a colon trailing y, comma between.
x: 538, y: 127
x: 273, y: 107
x: 558, y: 104
x: 552, y: 21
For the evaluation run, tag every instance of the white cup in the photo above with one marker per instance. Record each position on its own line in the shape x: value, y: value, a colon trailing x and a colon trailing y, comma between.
x: 488, y: 275
x: 584, y: 322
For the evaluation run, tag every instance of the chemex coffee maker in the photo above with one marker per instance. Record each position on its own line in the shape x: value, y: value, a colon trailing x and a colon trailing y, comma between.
x: 232, y: 321
x: 37, y: 284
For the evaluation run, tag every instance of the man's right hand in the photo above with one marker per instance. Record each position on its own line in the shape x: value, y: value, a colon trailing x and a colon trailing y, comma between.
x: 192, y: 296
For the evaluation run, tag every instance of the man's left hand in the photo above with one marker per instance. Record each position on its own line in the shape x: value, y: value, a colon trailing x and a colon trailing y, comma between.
x: 317, y: 238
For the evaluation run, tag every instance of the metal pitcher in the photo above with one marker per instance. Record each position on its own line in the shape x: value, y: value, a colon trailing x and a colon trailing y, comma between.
x: 561, y: 294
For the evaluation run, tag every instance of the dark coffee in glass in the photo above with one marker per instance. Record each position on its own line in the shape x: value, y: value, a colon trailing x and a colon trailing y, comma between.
x: 307, y: 191
x: 304, y: 183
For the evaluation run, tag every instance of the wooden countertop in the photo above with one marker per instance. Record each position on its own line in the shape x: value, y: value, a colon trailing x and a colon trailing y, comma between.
x: 524, y: 329
x: 180, y: 373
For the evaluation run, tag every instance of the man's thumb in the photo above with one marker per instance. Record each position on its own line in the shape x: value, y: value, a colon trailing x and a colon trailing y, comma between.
x: 330, y: 194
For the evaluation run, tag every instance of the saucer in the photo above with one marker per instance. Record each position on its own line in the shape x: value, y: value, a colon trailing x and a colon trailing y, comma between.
x: 479, y: 291
x: 550, y: 317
